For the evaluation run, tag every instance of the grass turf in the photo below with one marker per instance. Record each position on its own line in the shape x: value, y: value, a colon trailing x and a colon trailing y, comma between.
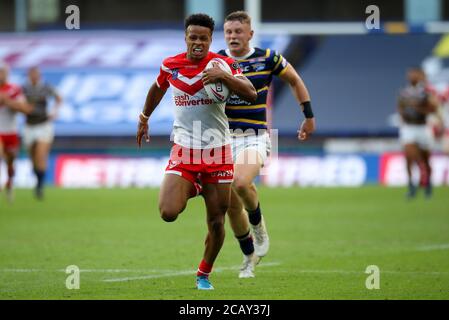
x: 322, y: 240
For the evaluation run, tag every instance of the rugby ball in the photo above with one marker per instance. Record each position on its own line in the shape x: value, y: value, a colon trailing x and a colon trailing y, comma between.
x: 218, y: 91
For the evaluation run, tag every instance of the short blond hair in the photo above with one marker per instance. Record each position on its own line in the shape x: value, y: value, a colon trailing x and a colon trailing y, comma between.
x: 241, y: 16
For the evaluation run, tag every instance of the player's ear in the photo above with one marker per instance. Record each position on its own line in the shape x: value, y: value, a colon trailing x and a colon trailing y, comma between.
x: 251, y: 34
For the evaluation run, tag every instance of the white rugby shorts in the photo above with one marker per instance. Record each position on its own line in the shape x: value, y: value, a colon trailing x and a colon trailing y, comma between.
x: 261, y: 143
x: 42, y: 132
x: 416, y: 134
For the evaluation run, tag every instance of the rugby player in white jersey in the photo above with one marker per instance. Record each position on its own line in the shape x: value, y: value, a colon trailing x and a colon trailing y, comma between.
x: 201, y: 149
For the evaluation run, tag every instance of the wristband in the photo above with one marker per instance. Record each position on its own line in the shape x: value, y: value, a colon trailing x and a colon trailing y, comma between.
x: 144, y: 116
x: 308, y: 113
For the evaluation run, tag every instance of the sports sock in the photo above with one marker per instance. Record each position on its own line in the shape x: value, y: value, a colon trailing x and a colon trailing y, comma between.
x: 246, y: 243
x: 40, y: 175
x: 204, y: 269
x: 255, y: 215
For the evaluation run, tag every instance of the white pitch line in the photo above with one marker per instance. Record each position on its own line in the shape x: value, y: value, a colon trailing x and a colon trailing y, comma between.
x: 363, y: 272
x: 23, y: 270
x: 431, y: 247
x: 182, y: 273
x: 90, y: 270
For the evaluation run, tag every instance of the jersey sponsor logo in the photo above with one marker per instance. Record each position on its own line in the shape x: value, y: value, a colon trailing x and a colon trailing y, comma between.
x: 258, y: 66
x: 261, y: 59
x: 186, y: 101
x: 246, y: 68
x: 235, y: 100
x: 224, y: 173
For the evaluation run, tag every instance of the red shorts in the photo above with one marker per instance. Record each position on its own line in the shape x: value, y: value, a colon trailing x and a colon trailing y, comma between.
x: 208, y: 165
x: 10, y: 142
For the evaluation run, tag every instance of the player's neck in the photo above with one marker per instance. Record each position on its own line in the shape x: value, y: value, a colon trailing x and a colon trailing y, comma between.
x: 240, y: 55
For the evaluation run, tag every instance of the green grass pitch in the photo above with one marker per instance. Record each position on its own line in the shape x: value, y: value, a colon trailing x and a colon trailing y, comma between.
x: 322, y: 240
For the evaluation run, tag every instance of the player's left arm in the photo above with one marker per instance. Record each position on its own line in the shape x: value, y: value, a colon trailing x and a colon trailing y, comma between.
x: 299, y: 89
x: 57, y: 105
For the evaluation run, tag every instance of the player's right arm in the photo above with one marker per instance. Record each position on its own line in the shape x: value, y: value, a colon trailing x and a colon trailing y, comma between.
x: 154, y: 97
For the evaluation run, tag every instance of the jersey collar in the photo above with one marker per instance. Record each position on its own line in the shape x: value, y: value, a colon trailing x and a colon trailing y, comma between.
x: 251, y: 51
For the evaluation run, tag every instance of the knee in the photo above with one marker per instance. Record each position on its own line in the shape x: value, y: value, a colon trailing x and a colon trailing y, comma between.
x: 168, y: 214
x: 241, y: 185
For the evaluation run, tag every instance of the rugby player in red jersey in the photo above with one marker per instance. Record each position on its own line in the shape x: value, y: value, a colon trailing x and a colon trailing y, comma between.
x: 201, y: 149
x: 11, y: 101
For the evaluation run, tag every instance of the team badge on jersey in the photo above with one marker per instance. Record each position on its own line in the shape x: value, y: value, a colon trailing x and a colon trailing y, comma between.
x: 235, y: 65
x: 174, y: 74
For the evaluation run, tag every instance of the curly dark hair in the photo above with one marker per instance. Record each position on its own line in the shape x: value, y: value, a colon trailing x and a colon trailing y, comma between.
x: 200, y: 19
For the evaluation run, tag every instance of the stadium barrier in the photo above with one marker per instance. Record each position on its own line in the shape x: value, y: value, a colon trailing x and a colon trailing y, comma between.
x: 329, y: 170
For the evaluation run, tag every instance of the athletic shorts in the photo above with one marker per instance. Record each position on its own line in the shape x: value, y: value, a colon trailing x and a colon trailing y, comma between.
x: 206, y: 165
x: 261, y: 143
x: 42, y: 132
x: 10, y: 142
x: 416, y: 134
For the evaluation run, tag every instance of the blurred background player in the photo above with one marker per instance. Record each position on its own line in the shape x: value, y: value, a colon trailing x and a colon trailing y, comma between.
x: 185, y: 73
x: 38, y: 133
x: 414, y: 105
x: 250, y: 140
x: 11, y: 102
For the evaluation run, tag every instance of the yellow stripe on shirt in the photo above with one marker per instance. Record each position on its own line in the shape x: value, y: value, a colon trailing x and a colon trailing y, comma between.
x: 262, y: 89
x: 249, y: 74
x: 277, y: 64
x: 246, y: 121
x: 268, y: 53
x: 257, y: 106
x: 283, y: 71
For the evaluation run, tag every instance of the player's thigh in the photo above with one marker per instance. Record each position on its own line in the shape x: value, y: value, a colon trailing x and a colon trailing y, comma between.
x: 247, y: 167
x: 411, y: 151
x: 174, y: 193
x: 42, y: 149
x: 216, y: 197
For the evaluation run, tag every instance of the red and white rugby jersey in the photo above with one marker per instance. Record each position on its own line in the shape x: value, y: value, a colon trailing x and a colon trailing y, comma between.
x: 199, y: 122
x: 8, y: 117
